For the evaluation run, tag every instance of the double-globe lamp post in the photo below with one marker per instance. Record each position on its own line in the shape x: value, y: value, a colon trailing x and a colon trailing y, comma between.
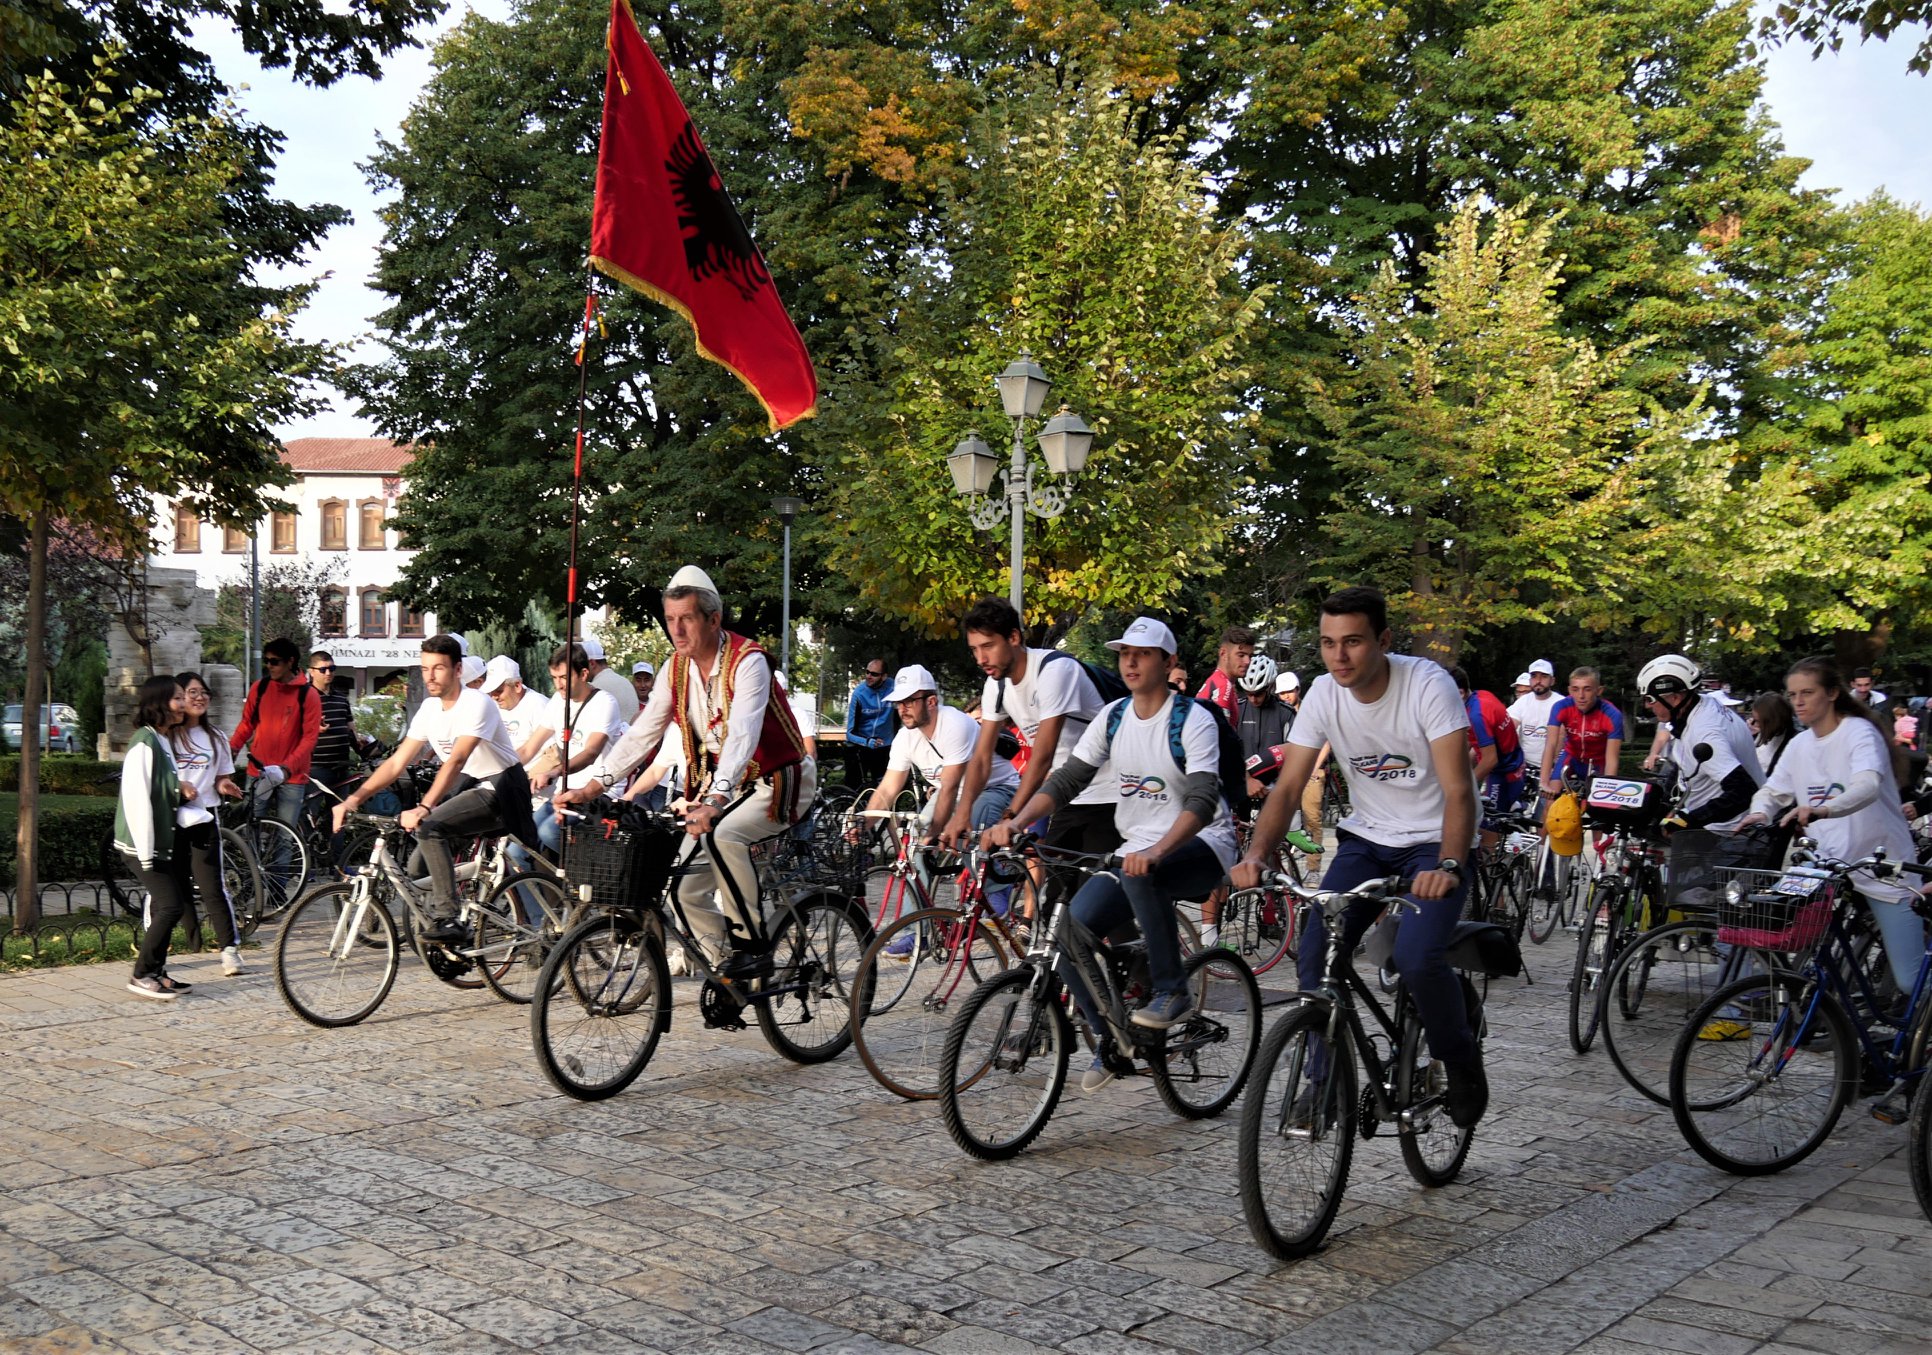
x: 1064, y: 443
x: 787, y: 508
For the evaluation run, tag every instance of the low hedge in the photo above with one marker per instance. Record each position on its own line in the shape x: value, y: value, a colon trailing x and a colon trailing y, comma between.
x: 72, y: 829
x: 64, y: 775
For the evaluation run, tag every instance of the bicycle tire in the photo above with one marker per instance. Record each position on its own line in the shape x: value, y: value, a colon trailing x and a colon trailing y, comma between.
x: 510, y: 947
x: 805, y: 1009
x: 1201, y: 1064
x: 241, y: 877
x: 1005, y: 1048
x: 1291, y: 1178
x: 1593, y: 956
x: 902, y: 1006
x: 1433, y: 1146
x: 1919, y: 1151
x: 1516, y: 887
x: 266, y: 837
x: 326, y: 984
x: 1250, y: 934
x: 1682, y: 969
x: 1769, y: 1097
x: 602, y: 1003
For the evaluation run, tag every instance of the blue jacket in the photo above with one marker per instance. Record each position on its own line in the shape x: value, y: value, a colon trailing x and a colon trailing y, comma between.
x: 869, y: 721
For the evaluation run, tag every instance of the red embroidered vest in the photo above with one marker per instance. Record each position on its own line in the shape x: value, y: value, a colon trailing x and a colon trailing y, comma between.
x: 780, y: 746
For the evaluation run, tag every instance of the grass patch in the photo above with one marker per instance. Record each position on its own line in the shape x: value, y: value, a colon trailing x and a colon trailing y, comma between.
x: 90, y: 938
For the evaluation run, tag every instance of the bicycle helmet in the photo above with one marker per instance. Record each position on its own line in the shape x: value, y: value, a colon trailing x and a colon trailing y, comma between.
x: 1668, y: 675
x: 1260, y: 676
x: 1564, y: 824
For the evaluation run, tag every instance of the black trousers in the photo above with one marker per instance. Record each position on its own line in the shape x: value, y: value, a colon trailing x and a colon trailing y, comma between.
x: 500, y: 804
x: 165, y: 902
x: 197, y: 871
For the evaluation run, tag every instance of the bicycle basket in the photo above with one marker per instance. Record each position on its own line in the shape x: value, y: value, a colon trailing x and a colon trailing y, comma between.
x: 1774, y: 910
x: 624, y: 867
x: 1702, y: 862
x: 1624, y: 801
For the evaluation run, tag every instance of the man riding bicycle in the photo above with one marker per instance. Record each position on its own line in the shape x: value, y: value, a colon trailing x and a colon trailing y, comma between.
x: 1719, y: 787
x: 1398, y: 726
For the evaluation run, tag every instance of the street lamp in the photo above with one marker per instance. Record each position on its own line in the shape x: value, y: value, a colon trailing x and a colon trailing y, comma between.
x: 787, y: 508
x: 1064, y: 443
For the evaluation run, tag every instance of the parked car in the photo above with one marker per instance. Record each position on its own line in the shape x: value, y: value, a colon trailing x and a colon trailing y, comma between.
x: 59, y: 728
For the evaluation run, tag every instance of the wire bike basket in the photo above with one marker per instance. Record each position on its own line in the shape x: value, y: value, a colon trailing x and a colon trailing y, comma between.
x: 1782, y: 910
x: 622, y: 865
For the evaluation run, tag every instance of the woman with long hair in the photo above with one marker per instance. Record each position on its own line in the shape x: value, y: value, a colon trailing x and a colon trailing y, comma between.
x: 207, y: 771
x: 144, y: 831
x: 1771, y: 727
x: 1835, y: 783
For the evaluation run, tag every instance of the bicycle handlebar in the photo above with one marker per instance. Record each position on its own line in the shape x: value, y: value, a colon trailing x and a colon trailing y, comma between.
x: 1876, y: 863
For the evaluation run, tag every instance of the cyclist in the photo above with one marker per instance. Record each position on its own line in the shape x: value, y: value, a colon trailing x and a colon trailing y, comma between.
x: 743, y: 755
x: 869, y: 727
x: 1173, y: 822
x: 281, y: 720
x: 1592, y: 733
x: 479, y: 788
x: 607, y: 679
x: 643, y: 678
x: 1493, y: 744
x: 1262, y: 724
x: 523, y: 709
x: 577, y: 725
x: 1718, y: 789
x: 1231, y: 663
x: 1396, y: 723
x: 1531, y: 711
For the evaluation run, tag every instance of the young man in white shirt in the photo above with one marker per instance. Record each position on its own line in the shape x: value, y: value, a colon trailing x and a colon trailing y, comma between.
x: 522, y: 708
x: 1531, y: 711
x: 607, y: 679
x: 1177, y: 835
x: 567, y: 746
x: 1399, y: 727
x: 480, y: 788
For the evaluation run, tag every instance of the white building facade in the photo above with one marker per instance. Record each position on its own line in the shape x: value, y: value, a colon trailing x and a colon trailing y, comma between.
x: 344, y: 493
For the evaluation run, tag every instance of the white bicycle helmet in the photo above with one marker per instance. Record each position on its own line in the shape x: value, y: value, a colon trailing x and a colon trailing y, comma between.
x: 1668, y: 675
x: 1260, y: 676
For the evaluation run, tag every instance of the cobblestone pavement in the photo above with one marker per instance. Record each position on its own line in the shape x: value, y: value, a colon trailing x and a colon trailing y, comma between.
x: 214, y: 1175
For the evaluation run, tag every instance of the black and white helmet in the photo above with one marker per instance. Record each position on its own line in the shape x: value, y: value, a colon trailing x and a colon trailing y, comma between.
x: 1668, y: 675
x: 1260, y: 676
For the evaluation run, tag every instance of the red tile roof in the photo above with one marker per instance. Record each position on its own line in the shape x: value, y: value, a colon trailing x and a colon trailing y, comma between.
x: 369, y: 456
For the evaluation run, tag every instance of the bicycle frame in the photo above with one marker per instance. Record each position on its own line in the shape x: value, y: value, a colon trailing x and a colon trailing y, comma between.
x: 1344, y: 993
x: 1828, y: 966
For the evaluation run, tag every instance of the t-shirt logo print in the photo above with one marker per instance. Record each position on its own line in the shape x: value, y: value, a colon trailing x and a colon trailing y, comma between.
x: 1384, y: 767
x: 1143, y: 788
x: 715, y: 238
x: 1817, y: 795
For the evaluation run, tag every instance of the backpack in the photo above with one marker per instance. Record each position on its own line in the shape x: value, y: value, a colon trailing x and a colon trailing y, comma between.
x: 1230, y: 762
x: 1107, y: 683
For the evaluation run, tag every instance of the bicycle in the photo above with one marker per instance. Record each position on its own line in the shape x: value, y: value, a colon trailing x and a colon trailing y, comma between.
x: 1764, y: 1068
x: 1500, y: 889
x: 280, y: 850
x: 1303, y: 1112
x: 1556, y: 894
x: 603, y: 996
x: 1005, y: 1061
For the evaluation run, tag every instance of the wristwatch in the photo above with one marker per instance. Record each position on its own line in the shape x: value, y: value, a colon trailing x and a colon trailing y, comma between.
x: 1450, y: 865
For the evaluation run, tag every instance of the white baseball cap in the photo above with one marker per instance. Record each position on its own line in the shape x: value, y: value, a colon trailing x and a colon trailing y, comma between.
x: 473, y: 668
x: 501, y: 669
x: 692, y: 577
x: 909, y: 681
x: 1522, y: 680
x: 1543, y: 666
x: 1725, y: 698
x: 643, y: 666
x: 593, y: 647
x: 1145, y: 633
x: 462, y: 644
x: 1287, y: 682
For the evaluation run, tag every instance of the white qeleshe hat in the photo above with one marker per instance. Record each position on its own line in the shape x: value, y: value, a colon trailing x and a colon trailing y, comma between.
x: 643, y: 666
x: 1725, y: 698
x: 1286, y: 683
x: 692, y: 577
x: 909, y: 681
x: 502, y: 669
x: 1543, y: 666
x: 1145, y: 633
x: 473, y: 668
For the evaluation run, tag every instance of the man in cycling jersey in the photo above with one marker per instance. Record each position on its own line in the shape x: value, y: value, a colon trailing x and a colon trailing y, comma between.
x: 1231, y: 662
x: 1586, y: 733
x: 1398, y: 726
x: 1493, y: 744
x: 1173, y: 822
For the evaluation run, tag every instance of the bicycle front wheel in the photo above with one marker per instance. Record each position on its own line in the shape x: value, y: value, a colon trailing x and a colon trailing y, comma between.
x: 1593, y: 956
x: 336, y: 955
x: 602, y: 1002
x: 284, y: 862
x: 1259, y: 928
x: 1004, y: 1064
x: 1202, y: 1063
x: 1660, y: 979
x: 805, y: 1008
x: 1761, y: 1073
x: 911, y: 979
x: 241, y: 878
x: 1433, y: 1145
x: 1297, y: 1134
x: 515, y: 928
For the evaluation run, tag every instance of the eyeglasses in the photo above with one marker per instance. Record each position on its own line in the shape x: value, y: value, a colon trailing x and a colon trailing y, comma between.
x: 875, y: 672
x: 273, y: 660
x: 197, y: 694
x: 321, y: 668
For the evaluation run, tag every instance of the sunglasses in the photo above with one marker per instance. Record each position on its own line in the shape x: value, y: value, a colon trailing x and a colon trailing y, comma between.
x: 321, y: 668
x: 271, y: 661
x: 874, y: 672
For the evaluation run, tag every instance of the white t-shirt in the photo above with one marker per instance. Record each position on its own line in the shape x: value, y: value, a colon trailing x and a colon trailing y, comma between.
x: 1144, y: 785
x: 1814, y: 770
x: 199, y: 759
x: 1060, y: 687
x: 1532, y: 716
x: 1714, y: 723
x: 526, y: 717
x: 473, y: 715
x: 598, y: 715
x: 1382, y: 747
x: 619, y: 689
x: 954, y: 733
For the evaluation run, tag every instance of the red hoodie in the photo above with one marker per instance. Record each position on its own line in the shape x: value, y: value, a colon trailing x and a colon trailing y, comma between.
x: 286, y: 720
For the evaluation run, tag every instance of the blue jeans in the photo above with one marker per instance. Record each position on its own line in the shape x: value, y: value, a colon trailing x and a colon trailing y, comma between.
x: 1421, y: 944
x: 988, y: 808
x: 282, y: 803
x: 1107, y: 903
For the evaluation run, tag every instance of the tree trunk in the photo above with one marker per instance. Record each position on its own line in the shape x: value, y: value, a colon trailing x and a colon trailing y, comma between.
x: 26, y: 910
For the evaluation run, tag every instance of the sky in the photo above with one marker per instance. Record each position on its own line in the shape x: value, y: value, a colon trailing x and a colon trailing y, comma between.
x: 1851, y: 113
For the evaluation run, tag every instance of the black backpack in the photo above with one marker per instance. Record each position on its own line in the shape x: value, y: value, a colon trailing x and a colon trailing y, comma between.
x: 1230, y: 762
x: 1108, y: 685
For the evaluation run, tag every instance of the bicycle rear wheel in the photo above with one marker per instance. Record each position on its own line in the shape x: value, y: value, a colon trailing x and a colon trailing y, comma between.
x: 514, y: 933
x: 1550, y: 877
x: 336, y: 956
x: 1919, y: 1153
x: 903, y: 1002
x: 1433, y: 1145
x: 805, y: 1008
x: 1761, y: 1073
x: 1297, y: 1134
x: 241, y: 878
x: 284, y: 863
x: 1004, y: 1064
x: 1259, y: 929
x: 602, y: 1002
x: 1593, y: 957
x: 1660, y: 979
x: 1202, y: 1063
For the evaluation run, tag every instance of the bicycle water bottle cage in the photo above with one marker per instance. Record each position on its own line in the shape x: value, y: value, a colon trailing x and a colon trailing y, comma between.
x: 719, y: 1007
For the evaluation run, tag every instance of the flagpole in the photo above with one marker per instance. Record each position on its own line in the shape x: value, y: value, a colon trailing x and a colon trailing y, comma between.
x: 570, y: 587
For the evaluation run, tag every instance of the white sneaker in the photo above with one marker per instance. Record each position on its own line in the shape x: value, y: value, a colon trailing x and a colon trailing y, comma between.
x: 231, y: 964
x: 676, y: 961
x: 1210, y: 936
x: 151, y: 988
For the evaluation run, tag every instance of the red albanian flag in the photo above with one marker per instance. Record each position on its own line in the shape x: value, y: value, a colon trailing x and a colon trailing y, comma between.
x: 664, y: 225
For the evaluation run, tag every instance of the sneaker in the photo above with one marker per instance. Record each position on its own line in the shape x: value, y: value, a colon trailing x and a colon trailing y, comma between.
x: 231, y: 964
x: 744, y: 965
x: 170, y: 984
x: 1467, y: 1095
x: 446, y: 931
x: 1023, y: 934
x: 1098, y: 1075
x: 1210, y: 936
x: 151, y: 988
x: 900, y: 949
x: 1301, y: 842
x: 1724, y: 1029
x: 1164, y: 1010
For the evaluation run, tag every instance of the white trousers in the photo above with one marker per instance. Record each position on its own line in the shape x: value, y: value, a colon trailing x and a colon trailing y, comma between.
x: 721, y: 896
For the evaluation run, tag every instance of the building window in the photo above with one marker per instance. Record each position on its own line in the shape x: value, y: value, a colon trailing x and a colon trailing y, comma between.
x: 409, y: 624
x: 335, y: 611
x: 284, y: 534
x: 187, y: 530
x: 234, y: 541
x: 374, y: 614
x: 335, y: 524
x: 369, y: 515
